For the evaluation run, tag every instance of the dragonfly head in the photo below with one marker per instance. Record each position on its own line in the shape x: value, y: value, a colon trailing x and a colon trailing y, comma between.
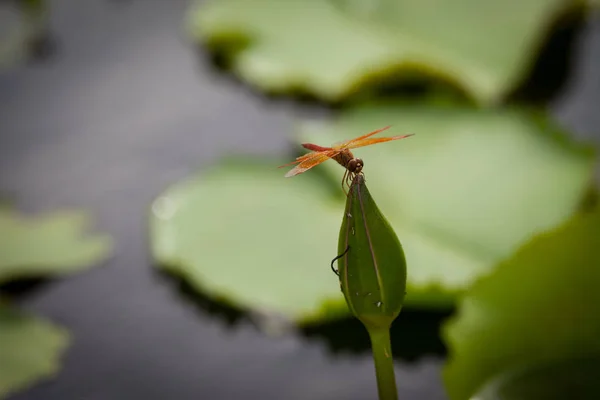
x: 355, y: 165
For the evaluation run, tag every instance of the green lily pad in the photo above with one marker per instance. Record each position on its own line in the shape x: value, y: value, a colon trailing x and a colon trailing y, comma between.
x: 466, y: 190
x: 47, y: 245
x: 332, y: 49
x: 31, y: 348
x: 21, y: 28
x: 463, y: 193
x: 539, y: 307
x: 578, y: 378
x: 244, y: 235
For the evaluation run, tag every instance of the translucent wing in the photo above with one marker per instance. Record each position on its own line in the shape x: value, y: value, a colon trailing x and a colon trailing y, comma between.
x: 367, y: 142
x: 315, y: 147
x: 313, y: 160
x: 346, y: 144
x: 298, y: 160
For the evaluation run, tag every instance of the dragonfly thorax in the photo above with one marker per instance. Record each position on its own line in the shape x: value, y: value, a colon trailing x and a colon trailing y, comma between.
x: 347, y: 160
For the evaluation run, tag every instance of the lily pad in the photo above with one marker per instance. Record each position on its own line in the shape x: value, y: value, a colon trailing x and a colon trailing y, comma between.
x: 22, y: 27
x: 243, y: 234
x: 332, y: 49
x: 578, y: 378
x: 31, y: 348
x: 467, y: 190
x: 540, y: 307
x: 47, y: 245
x: 463, y: 193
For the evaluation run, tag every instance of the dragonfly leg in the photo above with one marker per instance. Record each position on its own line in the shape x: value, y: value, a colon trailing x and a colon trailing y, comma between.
x: 344, y: 178
x: 349, y: 180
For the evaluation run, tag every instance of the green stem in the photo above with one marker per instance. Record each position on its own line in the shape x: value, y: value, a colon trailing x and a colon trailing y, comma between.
x: 384, y: 363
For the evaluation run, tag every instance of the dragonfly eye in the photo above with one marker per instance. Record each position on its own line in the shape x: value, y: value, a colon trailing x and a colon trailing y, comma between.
x: 352, y: 164
x: 359, y: 165
x: 355, y: 165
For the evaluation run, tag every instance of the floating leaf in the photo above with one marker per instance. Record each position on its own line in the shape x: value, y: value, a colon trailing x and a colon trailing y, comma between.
x: 245, y: 235
x: 30, y: 349
x: 332, y: 49
x: 541, y: 306
x: 49, y: 244
x: 26, y: 27
x: 467, y: 189
x: 461, y: 194
x: 572, y: 379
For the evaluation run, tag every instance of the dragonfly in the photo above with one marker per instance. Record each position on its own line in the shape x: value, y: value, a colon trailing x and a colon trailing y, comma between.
x: 339, y: 152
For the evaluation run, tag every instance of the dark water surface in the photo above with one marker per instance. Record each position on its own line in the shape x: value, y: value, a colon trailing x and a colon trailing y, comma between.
x: 122, y: 108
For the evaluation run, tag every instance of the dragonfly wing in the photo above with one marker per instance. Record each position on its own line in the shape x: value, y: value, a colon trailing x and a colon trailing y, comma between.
x: 315, y: 147
x: 349, y: 143
x: 298, y: 160
x: 368, y: 142
x: 316, y: 159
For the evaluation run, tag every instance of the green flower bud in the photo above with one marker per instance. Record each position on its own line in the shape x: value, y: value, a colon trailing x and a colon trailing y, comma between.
x: 372, y: 269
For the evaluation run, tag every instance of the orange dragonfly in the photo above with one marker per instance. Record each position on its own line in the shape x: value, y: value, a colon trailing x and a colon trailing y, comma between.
x: 340, y: 153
